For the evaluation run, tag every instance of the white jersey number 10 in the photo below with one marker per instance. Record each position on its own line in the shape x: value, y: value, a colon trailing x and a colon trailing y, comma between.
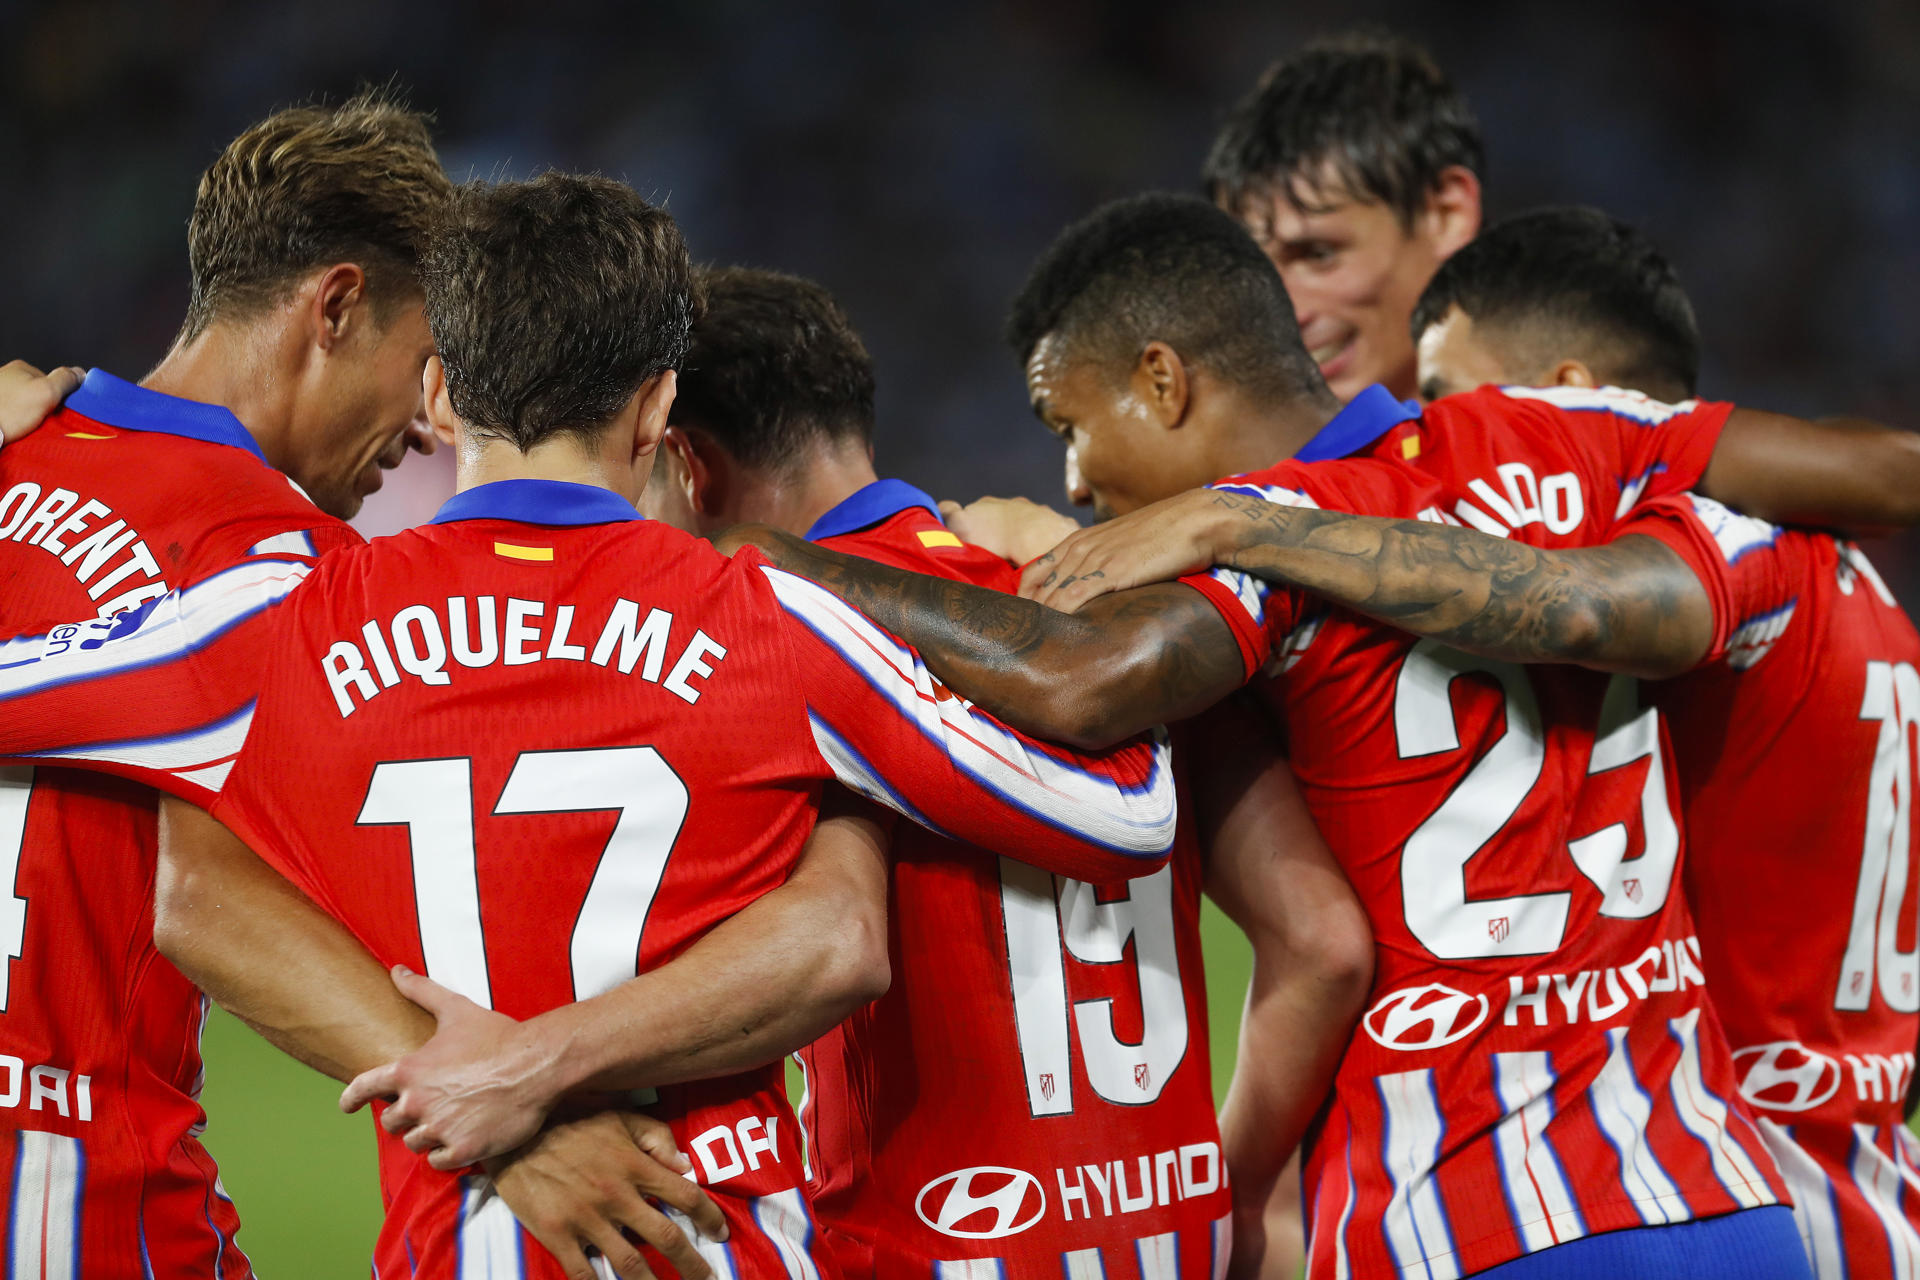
x: 1873, y: 943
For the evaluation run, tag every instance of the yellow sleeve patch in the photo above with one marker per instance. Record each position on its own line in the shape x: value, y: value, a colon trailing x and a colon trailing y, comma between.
x: 1410, y: 447
x: 939, y: 538
x: 513, y: 552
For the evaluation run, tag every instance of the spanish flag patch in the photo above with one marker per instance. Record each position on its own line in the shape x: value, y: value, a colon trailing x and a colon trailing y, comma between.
x: 1410, y: 447
x: 513, y: 551
x: 939, y: 538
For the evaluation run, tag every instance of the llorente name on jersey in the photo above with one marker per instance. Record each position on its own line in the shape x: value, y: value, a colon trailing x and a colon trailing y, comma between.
x: 101, y: 549
x: 426, y: 643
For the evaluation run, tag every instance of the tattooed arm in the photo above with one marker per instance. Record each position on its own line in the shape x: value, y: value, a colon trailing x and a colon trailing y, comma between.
x: 1633, y: 605
x: 1130, y: 661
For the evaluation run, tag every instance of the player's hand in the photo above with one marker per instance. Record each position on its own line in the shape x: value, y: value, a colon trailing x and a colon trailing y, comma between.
x: 27, y: 395
x: 585, y: 1183
x: 1012, y: 528
x: 1157, y: 543
x: 475, y: 1090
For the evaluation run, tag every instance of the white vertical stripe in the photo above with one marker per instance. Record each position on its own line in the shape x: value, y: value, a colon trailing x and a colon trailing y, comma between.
x: 783, y: 1216
x: 1083, y: 1264
x: 804, y: 1114
x: 1342, y: 1268
x: 1813, y: 1210
x: 1878, y: 1178
x: 487, y: 1239
x: 1159, y: 1256
x: 1622, y: 1109
x: 968, y: 1269
x: 43, y: 1220
x: 1543, y: 1208
x: 1222, y: 1247
x: 1705, y: 1117
x: 1415, y: 1223
x: 716, y: 1255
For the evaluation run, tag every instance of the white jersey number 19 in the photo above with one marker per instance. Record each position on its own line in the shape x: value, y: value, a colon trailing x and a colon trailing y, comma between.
x: 1044, y: 924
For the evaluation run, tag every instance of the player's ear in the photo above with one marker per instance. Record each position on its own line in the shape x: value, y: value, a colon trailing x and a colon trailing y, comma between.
x: 694, y: 470
x: 1160, y: 381
x: 1451, y: 215
x: 337, y: 305
x: 655, y: 401
x: 433, y: 388
x: 1571, y: 373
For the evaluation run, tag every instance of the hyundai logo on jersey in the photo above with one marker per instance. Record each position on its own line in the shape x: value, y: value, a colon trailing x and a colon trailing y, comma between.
x: 971, y: 1194
x: 1786, y: 1076
x: 1428, y: 1017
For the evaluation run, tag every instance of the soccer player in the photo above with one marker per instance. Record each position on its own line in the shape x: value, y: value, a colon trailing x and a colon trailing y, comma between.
x: 1357, y: 166
x: 1795, y: 761
x: 646, y: 768
x: 298, y: 364
x: 954, y: 1128
x: 318, y: 345
x: 1155, y: 328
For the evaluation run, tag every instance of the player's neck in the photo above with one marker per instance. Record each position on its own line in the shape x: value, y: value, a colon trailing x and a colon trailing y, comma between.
x: 565, y: 458
x: 1252, y: 434
x: 796, y: 502
x: 238, y: 370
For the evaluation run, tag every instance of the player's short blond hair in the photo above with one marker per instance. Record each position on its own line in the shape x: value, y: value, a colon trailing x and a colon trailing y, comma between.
x: 308, y: 187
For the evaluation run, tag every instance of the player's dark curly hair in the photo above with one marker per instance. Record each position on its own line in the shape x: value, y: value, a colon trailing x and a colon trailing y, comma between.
x: 1373, y: 106
x: 1167, y: 268
x: 775, y: 369
x: 1561, y: 283
x: 552, y: 301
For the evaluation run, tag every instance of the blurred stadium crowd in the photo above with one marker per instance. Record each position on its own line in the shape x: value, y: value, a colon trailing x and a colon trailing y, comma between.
x: 916, y: 158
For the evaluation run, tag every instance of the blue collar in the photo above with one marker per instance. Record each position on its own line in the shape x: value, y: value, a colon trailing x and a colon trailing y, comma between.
x: 119, y: 403
x: 869, y: 506
x: 1366, y: 418
x: 537, y: 502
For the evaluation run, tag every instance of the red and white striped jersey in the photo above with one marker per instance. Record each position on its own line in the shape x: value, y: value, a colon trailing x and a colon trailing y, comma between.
x: 1538, y: 1061
x: 541, y: 744
x: 118, y: 497
x: 1796, y: 755
x: 1032, y: 1097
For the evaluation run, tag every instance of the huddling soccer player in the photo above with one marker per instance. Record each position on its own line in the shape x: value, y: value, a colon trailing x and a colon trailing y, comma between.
x: 1025, y: 1100
x: 648, y: 769
x: 1427, y: 738
x: 1357, y: 166
x: 294, y: 381
x: 1812, y: 700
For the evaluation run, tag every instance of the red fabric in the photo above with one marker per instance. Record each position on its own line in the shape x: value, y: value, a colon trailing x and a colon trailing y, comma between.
x: 935, y: 1079
x: 1796, y: 756
x: 1538, y: 1060
x: 87, y: 997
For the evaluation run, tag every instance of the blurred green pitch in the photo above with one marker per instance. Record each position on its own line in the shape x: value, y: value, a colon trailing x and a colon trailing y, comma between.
x: 303, y: 1174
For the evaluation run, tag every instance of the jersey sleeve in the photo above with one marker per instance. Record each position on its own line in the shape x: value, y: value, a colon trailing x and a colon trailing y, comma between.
x: 162, y: 694
x: 1751, y: 570
x: 887, y: 728
x: 1655, y: 448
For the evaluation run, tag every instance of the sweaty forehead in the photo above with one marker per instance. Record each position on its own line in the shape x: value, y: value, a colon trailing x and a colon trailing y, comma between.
x: 1046, y: 370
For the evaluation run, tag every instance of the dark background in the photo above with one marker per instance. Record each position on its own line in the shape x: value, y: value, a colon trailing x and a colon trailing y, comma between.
x: 916, y: 159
